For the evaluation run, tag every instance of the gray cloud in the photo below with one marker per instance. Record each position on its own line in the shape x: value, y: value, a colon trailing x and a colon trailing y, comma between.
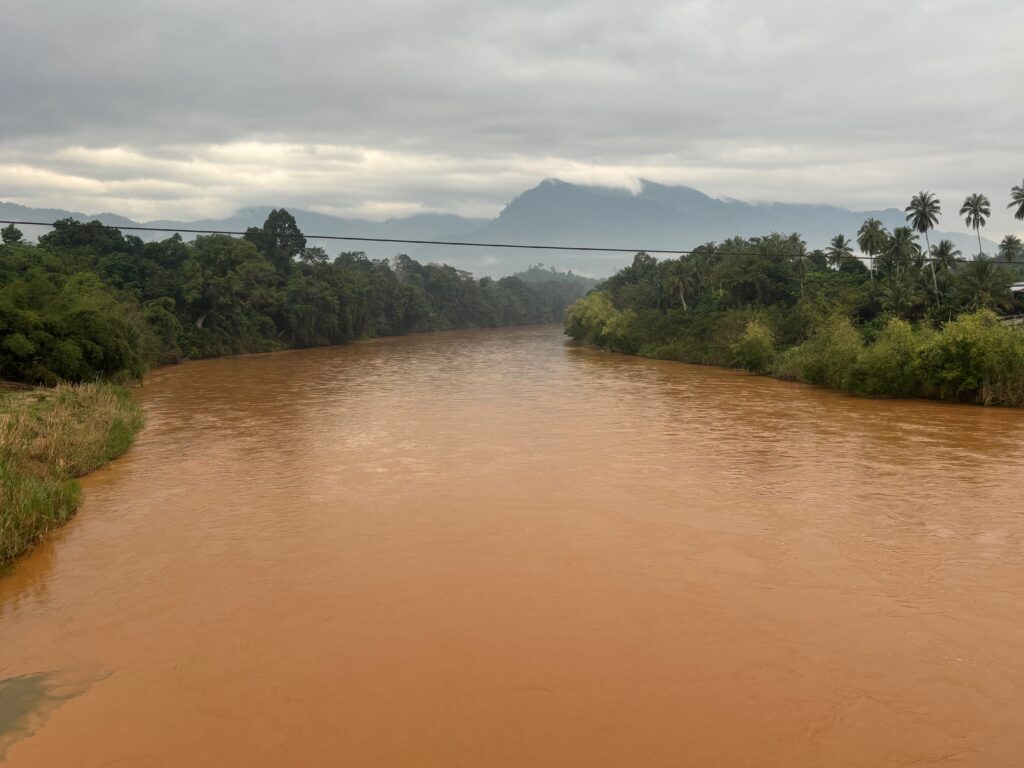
x: 193, y: 108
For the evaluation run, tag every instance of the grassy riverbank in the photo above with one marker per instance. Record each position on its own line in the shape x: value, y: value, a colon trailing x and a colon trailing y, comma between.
x: 48, y: 437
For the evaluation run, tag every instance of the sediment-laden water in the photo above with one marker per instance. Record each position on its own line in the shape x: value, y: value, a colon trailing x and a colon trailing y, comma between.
x: 493, y: 549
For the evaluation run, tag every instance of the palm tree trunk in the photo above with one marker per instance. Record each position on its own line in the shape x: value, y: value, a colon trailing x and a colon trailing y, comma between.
x: 977, y: 231
x: 931, y: 263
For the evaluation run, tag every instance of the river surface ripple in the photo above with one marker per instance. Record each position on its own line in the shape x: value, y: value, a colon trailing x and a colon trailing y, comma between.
x: 495, y: 549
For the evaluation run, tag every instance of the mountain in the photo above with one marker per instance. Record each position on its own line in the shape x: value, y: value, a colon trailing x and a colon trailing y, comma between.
x: 660, y: 217
x: 553, y: 213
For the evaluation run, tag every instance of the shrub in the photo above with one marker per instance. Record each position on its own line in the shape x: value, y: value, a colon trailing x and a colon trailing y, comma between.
x: 975, y: 358
x: 755, y: 348
x: 888, y: 366
x: 829, y: 354
x: 621, y: 332
x: 585, y: 320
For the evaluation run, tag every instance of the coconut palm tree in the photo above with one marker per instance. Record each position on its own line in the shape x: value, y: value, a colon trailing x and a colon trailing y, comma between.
x: 976, y: 210
x: 1011, y: 248
x: 923, y: 214
x: 1017, y: 199
x: 985, y: 285
x: 900, y: 250
x: 839, y: 250
x: 679, y: 282
x: 901, y: 295
x: 871, y: 239
x: 797, y: 248
x: 945, y: 255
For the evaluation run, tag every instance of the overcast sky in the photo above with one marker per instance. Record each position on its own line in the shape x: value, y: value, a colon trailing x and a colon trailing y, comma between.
x: 193, y: 108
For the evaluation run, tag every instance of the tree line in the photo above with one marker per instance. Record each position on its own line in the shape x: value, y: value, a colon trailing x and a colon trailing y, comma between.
x: 913, y: 321
x: 89, y: 302
x: 890, y: 250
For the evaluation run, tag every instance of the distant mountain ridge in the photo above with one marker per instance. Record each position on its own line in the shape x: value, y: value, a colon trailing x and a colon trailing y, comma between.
x: 423, y: 226
x: 556, y: 213
x: 666, y: 217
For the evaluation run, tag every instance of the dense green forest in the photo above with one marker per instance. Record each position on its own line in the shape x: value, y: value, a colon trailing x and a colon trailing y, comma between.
x: 90, y: 303
x: 911, y: 321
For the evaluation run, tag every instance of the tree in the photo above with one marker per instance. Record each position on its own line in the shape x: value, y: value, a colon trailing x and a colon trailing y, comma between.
x: 839, y: 251
x: 1017, y: 199
x: 985, y: 285
x: 226, y: 284
x: 799, y: 258
x: 901, y: 295
x: 1011, y: 248
x: 945, y: 255
x: 923, y: 214
x: 976, y: 210
x: 93, y: 236
x: 10, y: 235
x: 679, y: 281
x: 901, y: 249
x: 871, y: 239
x: 314, y: 255
x: 279, y: 239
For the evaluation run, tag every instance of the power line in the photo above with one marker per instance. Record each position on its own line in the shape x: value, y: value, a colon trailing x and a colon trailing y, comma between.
x: 365, y: 239
x: 458, y: 243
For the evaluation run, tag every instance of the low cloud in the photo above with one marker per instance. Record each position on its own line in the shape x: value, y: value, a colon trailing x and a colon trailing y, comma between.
x: 193, y: 109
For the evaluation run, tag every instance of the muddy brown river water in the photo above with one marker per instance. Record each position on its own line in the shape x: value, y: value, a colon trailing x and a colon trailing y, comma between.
x: 494, y: 549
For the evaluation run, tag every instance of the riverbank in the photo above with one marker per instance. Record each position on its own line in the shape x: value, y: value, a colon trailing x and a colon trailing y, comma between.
x: 87, y: 304
x: 48, y: 437
x: 973, y: 358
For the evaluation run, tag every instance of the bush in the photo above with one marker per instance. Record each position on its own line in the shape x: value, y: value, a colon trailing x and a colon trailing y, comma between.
x: 829, y: 354
x: 755, y: 348
x: 585, y: 320
x: 622, y: 332
x: 888, y: 366
x: 975, y: 358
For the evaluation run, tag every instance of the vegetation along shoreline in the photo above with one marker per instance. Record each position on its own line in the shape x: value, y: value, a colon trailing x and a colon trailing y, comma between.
x: 912, y: 322
x: 48, y: 437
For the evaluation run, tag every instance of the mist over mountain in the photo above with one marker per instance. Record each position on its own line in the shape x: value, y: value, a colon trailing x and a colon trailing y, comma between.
x: 557, y: 213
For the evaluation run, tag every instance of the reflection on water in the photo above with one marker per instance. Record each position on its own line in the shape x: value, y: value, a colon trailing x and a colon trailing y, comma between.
x: 27, y: 700
x: 494, y: 549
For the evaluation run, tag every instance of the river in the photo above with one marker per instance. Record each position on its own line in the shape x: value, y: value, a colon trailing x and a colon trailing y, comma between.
x: 492, y: 548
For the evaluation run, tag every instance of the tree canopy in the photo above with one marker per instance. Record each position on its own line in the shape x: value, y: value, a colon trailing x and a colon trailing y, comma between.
x: 88, y: 302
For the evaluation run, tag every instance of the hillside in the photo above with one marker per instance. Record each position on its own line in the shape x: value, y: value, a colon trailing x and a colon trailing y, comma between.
x: 556, y: 213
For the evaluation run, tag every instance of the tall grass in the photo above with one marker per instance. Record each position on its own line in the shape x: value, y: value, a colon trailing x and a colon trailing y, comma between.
x: 47, y: 438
